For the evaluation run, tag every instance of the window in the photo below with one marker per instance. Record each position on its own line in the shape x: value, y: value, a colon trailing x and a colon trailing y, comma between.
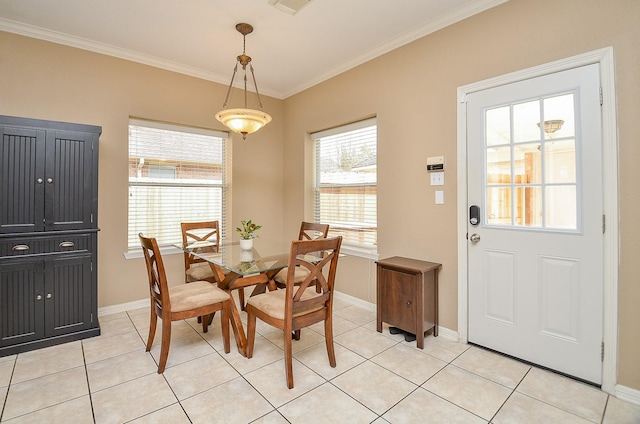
x: 176, y: 174
x: 345, y: 186
x: 531, y: 164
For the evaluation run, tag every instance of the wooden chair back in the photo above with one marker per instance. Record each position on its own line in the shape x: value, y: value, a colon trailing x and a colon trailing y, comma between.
x: 300, y: 309
x: 312, y: 230
x: 206, y: 231
x: 158, y: 287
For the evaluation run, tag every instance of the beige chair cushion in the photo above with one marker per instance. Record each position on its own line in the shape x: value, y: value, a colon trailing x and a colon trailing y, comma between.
x: 199, y: 272
x: 298, y: 276
x: 272, y: 303
x: 194, y: 295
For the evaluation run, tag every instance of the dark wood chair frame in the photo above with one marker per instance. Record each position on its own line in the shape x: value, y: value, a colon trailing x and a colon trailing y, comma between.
x: 161, y: 304
x: 299, y: 312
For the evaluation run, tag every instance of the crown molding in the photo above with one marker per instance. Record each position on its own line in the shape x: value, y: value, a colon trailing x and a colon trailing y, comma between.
x: 118, y: 52
x: 416, y: 33
x: 443, y: 21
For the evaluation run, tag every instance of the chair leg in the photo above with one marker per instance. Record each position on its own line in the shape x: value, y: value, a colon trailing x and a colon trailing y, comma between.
x: 153, y: 321
x: 166, y: 340
x: 206, y: 320
x: 288, y: 357
x: 251, y: 331
x: 296, y: 335
x: 328, y: 338
x: 243, y: 307
x: 224, y: 321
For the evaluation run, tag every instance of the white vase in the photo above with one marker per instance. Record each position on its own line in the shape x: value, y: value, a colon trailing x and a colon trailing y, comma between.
x: 246, y: 244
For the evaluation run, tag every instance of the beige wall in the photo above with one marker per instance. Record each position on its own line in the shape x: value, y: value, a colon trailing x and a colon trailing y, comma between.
x: 411, y: 90
x: 49, y: 81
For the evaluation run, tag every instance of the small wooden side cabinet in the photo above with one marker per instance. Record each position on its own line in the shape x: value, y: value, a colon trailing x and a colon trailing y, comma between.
x: 407, y: 295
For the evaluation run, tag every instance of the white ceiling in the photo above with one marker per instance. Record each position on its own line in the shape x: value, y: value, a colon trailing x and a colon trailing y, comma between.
x: 198, y: 37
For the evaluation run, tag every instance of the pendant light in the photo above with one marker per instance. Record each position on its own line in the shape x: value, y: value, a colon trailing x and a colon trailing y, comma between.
x: 243, y: 120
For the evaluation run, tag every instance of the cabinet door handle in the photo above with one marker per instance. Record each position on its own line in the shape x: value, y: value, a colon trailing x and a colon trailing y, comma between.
x: 20, y: 247
x: 49, y: 295
x: 39, y: 297
x: 409, y: 303
x: 49, y: 180
x: 39, y: 180
x: 67, y: 244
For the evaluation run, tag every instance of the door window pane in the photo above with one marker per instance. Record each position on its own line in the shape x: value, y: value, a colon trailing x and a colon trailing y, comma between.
x: 499, y: 205
x: 527, y: 164
x: 559, y: 108
x: 498, y: 126
x: 560, y: 161
x: 525, y: 119
x: 528, y: 206
x: 561, y: 207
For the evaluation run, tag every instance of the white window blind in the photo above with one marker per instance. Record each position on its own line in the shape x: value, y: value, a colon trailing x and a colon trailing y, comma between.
x: 346, y: 178
x: 176, y: 174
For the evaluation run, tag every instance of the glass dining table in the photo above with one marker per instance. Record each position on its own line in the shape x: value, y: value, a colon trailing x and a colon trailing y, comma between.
x: 235, y: 268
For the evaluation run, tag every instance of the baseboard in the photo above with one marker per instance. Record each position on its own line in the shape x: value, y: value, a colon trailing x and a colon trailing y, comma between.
x: 355, y: 301
x: 448, y: 334
x: 123, y: 307
x: 442, y: 331
x: 627, y: 393
x: 144, y: 303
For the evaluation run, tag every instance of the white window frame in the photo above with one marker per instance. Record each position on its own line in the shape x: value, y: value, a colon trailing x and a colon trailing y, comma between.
x: 362, y: 249
x: 139, y: 181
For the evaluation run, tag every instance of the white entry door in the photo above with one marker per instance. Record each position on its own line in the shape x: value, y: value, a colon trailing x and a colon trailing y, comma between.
x: 536, y: 251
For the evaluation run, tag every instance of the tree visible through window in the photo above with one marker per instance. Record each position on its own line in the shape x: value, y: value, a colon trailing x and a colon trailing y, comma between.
x: 176, y: 174
x: 346, y: 178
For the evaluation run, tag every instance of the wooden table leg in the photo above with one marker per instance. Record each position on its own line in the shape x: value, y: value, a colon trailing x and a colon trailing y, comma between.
x: 236, y: 326
x: 233, y: 281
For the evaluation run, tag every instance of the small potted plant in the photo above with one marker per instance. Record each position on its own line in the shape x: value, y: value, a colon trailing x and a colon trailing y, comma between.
x: 247, y: 235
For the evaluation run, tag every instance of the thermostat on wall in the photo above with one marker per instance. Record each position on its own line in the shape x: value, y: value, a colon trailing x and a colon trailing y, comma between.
x: 435, y: 163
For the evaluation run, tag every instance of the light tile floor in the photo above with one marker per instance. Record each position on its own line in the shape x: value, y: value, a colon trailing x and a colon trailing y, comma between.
x: 379, y: 378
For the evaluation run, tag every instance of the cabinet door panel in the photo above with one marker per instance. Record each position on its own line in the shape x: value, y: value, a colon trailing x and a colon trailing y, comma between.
x: 69, y: 171
x: 399, y: 292
x: 21, y: 167
x: 68, y: 294
x: 21, y: 312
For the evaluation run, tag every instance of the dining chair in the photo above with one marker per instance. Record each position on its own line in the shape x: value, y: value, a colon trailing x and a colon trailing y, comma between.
x: 308, y: 231
x: 298, y: 305
x: 197, y: 269
x: 196, y: 299
x: 208, y: 233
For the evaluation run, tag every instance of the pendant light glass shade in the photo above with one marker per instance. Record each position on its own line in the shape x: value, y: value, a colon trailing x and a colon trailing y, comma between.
x: 243, y: 121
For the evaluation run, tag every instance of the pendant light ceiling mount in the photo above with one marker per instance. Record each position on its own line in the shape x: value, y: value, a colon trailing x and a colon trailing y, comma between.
x: 243, y: 120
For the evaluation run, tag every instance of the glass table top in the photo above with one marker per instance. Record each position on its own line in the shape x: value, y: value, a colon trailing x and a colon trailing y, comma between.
x: 266, y: 255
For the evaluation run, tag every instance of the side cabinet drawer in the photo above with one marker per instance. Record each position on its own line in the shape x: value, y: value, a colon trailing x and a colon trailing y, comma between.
x: 20, y: 246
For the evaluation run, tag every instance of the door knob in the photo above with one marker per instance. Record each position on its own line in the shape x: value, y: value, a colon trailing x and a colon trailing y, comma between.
x: 474, y: 238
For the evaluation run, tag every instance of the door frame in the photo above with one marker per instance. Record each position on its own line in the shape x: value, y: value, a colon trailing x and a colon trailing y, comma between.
x: 605, y: 59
